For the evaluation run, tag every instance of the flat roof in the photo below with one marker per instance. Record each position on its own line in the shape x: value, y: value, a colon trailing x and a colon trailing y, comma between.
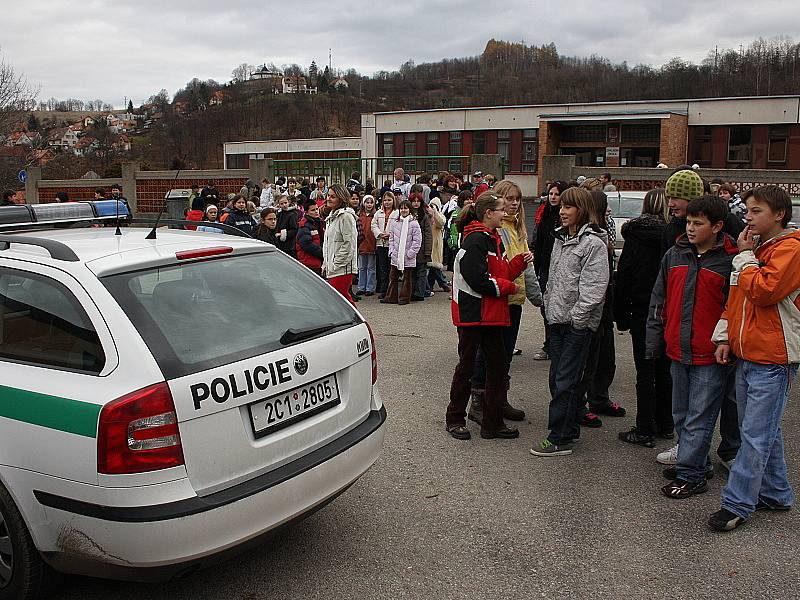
x: 347, y: 137
x: 602, y: 103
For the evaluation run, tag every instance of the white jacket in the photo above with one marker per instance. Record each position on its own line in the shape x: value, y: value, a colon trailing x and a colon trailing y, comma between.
x: 380, y: 224
x: 340, y: 244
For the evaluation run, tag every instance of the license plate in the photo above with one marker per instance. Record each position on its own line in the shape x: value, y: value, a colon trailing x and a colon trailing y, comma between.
x: 277, y: 412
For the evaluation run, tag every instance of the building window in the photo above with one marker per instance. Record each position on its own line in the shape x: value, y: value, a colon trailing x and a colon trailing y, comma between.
x: 584, y: 133
x: 388, y: 150
x: 479, y: 142
x: 455, y: 149
x: 410, y: 149
x: 503, y: 143
x: 530, y: 146
x: 238, y: 161
x: 778, y: 143
x: 739, y: 139
x: 432, y: 144
x: 702, y: 146
x: 641, y: 133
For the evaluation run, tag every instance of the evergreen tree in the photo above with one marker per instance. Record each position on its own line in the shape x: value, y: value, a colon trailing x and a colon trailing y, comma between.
x: 33, y: 123
x: 130, y: 106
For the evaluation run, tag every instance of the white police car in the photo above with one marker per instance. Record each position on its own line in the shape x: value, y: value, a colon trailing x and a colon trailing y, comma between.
x: 164, y: 401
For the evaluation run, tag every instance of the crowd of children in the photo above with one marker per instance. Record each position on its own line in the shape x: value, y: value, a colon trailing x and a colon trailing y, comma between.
x: 707, y: 285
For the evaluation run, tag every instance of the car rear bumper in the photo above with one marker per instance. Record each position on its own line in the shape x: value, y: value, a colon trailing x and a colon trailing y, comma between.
x: 158, y: 542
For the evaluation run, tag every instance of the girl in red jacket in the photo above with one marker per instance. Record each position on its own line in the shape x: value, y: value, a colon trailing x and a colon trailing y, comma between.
x: 482, y: 281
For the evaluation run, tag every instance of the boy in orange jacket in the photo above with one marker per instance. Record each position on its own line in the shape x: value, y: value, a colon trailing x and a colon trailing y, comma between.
x: 761, y: 326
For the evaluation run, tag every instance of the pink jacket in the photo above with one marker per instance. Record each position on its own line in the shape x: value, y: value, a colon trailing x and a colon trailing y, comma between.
x: 413, y: 242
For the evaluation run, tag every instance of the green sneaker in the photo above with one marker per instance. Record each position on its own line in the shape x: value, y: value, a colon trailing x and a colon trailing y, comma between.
x: 548, y: 448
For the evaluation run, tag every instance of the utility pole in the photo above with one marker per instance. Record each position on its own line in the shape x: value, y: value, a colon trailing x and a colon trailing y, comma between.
x: 330, y: 60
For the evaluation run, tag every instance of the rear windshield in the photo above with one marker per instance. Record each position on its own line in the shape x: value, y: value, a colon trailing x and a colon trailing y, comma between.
x: 200, y: 315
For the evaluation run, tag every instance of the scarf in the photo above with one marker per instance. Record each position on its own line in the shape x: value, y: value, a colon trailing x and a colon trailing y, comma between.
x: 401, y: 246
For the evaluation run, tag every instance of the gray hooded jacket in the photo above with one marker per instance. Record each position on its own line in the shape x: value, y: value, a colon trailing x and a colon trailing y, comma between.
x: 578, y: 278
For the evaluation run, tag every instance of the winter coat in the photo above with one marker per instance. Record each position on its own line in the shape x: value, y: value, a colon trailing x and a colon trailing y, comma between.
x: 514, y: 246
x: 638, y: 268
x: 425, y: 250
x: 483, y: 279
x: 761, y: 321
x: 733, y: 226
x: 240, y: 219
x: 382, y: 224
x: 339, y: 245
x: 437, y: 228
x: 194, y: 215
x: 368, y: 243
x: 543, y: 247
x: 688, y: 300
x: 308, y: 243
x: 578, y: 278
x: 287, y: 220
x: 413, y: 241
x: 266, y: 235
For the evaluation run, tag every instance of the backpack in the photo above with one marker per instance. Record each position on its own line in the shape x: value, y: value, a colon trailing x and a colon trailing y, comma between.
x: 453, y: 235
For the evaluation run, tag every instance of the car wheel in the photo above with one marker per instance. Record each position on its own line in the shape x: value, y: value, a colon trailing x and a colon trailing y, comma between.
x: 23, y: 573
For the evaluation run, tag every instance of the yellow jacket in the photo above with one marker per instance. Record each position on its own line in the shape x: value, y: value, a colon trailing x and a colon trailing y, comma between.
x: 515, y: 245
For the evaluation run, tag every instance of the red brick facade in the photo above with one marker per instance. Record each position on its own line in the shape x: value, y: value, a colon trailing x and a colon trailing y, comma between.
x: 674, y: 137
x: 150, y: 192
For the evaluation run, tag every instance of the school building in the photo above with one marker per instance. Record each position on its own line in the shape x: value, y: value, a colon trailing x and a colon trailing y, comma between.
x: 716, y: 133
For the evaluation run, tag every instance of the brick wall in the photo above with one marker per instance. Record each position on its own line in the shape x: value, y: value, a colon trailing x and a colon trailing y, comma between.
x: 674, y: 139
x: 150, y: 192
x: 48, y: 195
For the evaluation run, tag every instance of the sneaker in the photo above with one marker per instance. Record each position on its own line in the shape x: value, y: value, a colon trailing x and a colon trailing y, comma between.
x: 591, y: 420
x: 728, y: 464
x: 612, y: 409
x: 548, y: 448
x: 666, y: 434
x: 767, y: 504
x: 668, y: 457
x: 541, y: 355
x: 679, y: 489
x: 725, y: 520
x: 672, y: 473
x: 634, y: 437
x: 506, y: 433
x: 429, y: 294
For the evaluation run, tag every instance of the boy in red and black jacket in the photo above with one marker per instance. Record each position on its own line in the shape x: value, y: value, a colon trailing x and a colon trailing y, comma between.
x: 687, y: 301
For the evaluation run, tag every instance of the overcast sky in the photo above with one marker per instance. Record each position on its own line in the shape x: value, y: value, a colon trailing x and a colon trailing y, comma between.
x: 119, y: 49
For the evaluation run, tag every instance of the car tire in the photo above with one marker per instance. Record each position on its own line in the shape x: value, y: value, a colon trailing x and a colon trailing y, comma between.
x: 23, y: 573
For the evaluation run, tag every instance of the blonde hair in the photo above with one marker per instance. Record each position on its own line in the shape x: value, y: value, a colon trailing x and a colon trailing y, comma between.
x: 592, y: 184
x: 501, y: 190
x: 655, y: 203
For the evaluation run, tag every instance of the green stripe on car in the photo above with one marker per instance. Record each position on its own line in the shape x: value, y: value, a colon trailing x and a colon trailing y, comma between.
x: 53, y: 412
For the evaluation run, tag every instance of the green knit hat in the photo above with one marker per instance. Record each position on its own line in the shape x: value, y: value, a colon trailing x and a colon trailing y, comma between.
x: 685, y: 184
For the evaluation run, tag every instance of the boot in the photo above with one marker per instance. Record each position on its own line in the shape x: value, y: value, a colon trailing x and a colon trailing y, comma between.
x: 391, y: 291
x: 405, y: 288
x: 513, y: 414
x: 476, y: 407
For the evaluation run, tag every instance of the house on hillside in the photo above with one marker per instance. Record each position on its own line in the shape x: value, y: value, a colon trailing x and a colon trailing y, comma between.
x: 341, y: 82
x: 265, y: 74
x: 297, y: 84
x: 86, y: 145
x: 217, y: 98
x: 122, y: 144
x: 22, y: 138
x: 88, y: 122
x: 62, y: 137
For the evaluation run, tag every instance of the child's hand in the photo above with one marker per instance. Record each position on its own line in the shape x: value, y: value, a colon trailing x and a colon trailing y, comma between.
x: 722, y: 353
x: 745, y: 241
x: 528, y: 256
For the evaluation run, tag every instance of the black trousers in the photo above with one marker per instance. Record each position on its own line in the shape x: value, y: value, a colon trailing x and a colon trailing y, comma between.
x: 382, y: 265
x: 490, y: 341
x: 653, y: 383
x: 601, y: 366
x: 510, y: 335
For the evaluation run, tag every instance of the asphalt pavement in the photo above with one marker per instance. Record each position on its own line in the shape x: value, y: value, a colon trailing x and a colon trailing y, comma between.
x: 437, y: 518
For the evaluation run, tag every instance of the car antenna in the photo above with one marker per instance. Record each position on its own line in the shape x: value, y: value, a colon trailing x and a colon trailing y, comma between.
x: 116, y: 205
x: 152, y: 234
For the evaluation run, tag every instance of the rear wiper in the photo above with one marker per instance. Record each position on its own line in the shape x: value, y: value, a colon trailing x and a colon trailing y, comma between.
x: 295, y: 335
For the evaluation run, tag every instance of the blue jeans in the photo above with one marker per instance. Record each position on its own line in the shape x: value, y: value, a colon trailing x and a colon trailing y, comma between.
x: 568, y: 350
x: 436, y: 276
x: 760, y: 469
x: 697, y: 392
x: 421, y: 280
x: 366, y: 272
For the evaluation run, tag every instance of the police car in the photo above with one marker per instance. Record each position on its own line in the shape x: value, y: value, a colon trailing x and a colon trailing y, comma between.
x: 168, y: 397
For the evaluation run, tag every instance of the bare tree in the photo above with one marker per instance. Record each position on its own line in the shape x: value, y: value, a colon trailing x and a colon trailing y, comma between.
x: 16, y: 95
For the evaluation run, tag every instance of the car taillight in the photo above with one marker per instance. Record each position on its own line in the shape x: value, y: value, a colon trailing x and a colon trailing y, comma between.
x: 139, y: 432
x: 374, y: 356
